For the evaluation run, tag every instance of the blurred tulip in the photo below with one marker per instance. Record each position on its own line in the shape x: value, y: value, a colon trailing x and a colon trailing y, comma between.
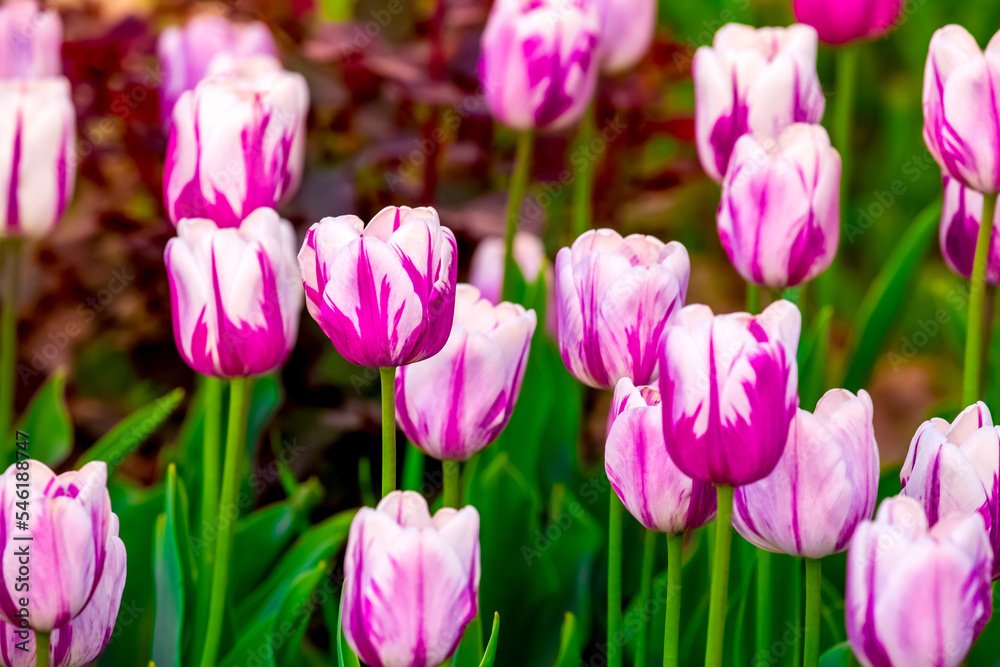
x: 486, y: 270
x: 186, y: 52
x: 779, y: 218
x: 539, y: 61
x: 614, y: 297
x: 235, y: 294
x: 458, y: 401
x: 30, y: 41
x: 37, y: 164
x: 237, y: 144
x: 730, y: 390
x: 652, y: 488
x: 752, y: 80
x: 627, y: 29
x: 961, y: 107
x: 430, y: 566
x: 955, y: 468
x: 916, y: 597
x: 393, y: 297
x: 825, y: 483
x: 842, y: 21
x: 961, y: 214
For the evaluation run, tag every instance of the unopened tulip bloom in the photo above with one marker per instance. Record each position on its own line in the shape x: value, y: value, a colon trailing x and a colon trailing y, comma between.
x: 458, y: 401
x: 842, y: 21
x: 614, y: 297
x: 956, y: 468
x: 752, y: 80
x: 237, y: 144
x: 916, y: 597
x: 37, y: 166
x: 487, y: 266
x: 539, y: 61
x: 825, y: 483
x: 729, y: 385
x: 235, y: 294
x: 779, y: 218
x: 30, y: 41
x: 411, y: 581
x: 961, y: 214
x: 651, y: 487
x: 627, y: 28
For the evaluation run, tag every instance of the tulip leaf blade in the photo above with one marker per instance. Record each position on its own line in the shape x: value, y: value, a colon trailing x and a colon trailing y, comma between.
x: 169, y: 584
x: 470, y: 649
x: 491, y: 648
x: 345, y: 656
x: 125, y: 436
x: 838, y: 656
x: 47, y: 422
x: 570, y: 643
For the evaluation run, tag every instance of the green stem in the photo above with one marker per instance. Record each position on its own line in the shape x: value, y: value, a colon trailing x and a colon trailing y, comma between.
x: 796, y: 586
x: 42, y: 649
x: 235, y: 446
x: 753, y: 298
x: 720, y: 577
x: 518, y: 186
x: 583, y: 177
x: 11, y: 252
x: 614, y: 580
x: 388, y: 429
x: 211, y: 436
x: 764, y: 562
x: 672, y: 629
x: 451, y: 483
x: 646, y: 592
x: 977, y: 291
x: 413, y: 468
x: 814, y: 581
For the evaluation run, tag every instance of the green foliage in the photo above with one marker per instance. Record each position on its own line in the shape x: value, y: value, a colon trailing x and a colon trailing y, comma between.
x: 48, y: 423
x: 132, y: 431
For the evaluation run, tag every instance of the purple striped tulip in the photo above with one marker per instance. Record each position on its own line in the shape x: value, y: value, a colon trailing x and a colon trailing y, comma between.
x: 779, y: 218
x: 430, y: 566
x: 961, y: 107
x: 235, y: 294
x: 843, y: 21
x: 393, y: 300
x: 627, y: 29
x: 237, y: 143
x: 486, y: 270
x: 917, y: 597
x: 539, y: 61
x: 69, y: 526
x: 652, y: 488
x: 37, y: 163
x: 956, y: 468
x: 752, y: 80
x: 614, y: 297
x: 187, y: 52
x: 824, y: 485
x: 961, y: 214
x: 30, y: 41
x: 478, y: 373
x: 730, y: 390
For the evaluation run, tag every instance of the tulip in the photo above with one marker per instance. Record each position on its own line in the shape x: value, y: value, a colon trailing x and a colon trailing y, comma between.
x: 730, y: 390
x: 37, y: 166
x: 756, y: 81
x: 393, y: 299
x: 916, y: 597
x: 824, y: 485
x: 187, y: 52
x: 237, y: 144
x: 961, y: 214
x: 845, y: 21
x: 478, y: 372
x: 955, y: 468
x: 411, y: 582
x: 779, y: 218
x: 614, y: 297
x: 539, y: 61
x: 30, y: 41
x: 627, y: 29
x: 235, y: 294
x: 487, y: 266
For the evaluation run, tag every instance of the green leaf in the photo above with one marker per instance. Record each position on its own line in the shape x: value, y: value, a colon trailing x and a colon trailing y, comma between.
x: 169, y: 627
x: 345, y: 656
x: 813, y: 354
x: 491, y: 648
x: 470, y: 649
x: 838, y: 656
x: 48, y: 423
x: 570, y: 643
x: 132, y: 431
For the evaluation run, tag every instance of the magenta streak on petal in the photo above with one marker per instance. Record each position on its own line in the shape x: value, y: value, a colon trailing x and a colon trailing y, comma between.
x: 422, y: 279
x: 6, y: 602
x: 794, y: 480
x: 936, y: 611
x: 934, y: 491
x: 760, y: 216
x: 640, y: 453
x: 62, y: 176
x: 451, y: 438
x: 993, y: 508
x: 315, y: 292
x: 592, y: 358
x: 743, y: 510
x: 420, y: 650
x: 357, y: 623
x: 871, y: 645
x: 6, y: 630
x: 61, y: 648
x: 13, y: 219
x: 728, y: 128
x: 717, y: 464
x: 810, y: 243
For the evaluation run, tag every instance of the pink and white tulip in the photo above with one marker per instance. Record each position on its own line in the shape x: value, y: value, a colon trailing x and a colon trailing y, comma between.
x: 487, y: 266
x: 627, y: 29
x: 729, y: 385
x: 235, y: 294
x: 384, y: 294
x: 30, y: 41
x: 843, y: 21
x: 614, y: 297
x: 961, y: 214
x: 431, y: 565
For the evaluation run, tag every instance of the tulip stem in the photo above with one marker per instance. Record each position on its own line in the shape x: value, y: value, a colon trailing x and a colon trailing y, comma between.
x: 977, y: 292
x: 450, y: 497
x: 615, y: 580
x: 211, y: 434
x: 814, y: 580
x: 42, y: 649
x: 720, y: 577
x: 518, y: 186
x: 646, y: 592
x: 764, y: 562
x: 11, y: 252
x: 227, y: 515
x: 672, y: 628
x: 583, y: 179
x: 753, y: 298
x: 388, y: 429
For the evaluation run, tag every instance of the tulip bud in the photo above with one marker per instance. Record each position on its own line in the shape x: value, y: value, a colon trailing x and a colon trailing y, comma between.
x: 384, y: 294
x: 779, y: 218
x: 539, y: 62
x: 479, y: 372
x: 627, y: 28
x: 614, y: 297
x: 37, y: 165
x: 752, y: 80
x: 842, y: 21
x: 729, y: 385
x: 916, y: 597
x: 652, y: 488
x: 961, y: 107
x: 487, y: 266
x: 237, y: 144
x: 954, y: 468
x: 30, y: 41
x: 961, y: 214
x: 235, y: 294
x: 825, y: 483
x: 430, y: 566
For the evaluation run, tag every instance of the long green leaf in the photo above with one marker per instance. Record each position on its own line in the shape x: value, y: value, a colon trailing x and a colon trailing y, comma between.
x: 491, y: 648
x: 169, y: 626
x: 838, y: 656
x: 48, y: 423
x: 135, y: 429
x: 570, y: 643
